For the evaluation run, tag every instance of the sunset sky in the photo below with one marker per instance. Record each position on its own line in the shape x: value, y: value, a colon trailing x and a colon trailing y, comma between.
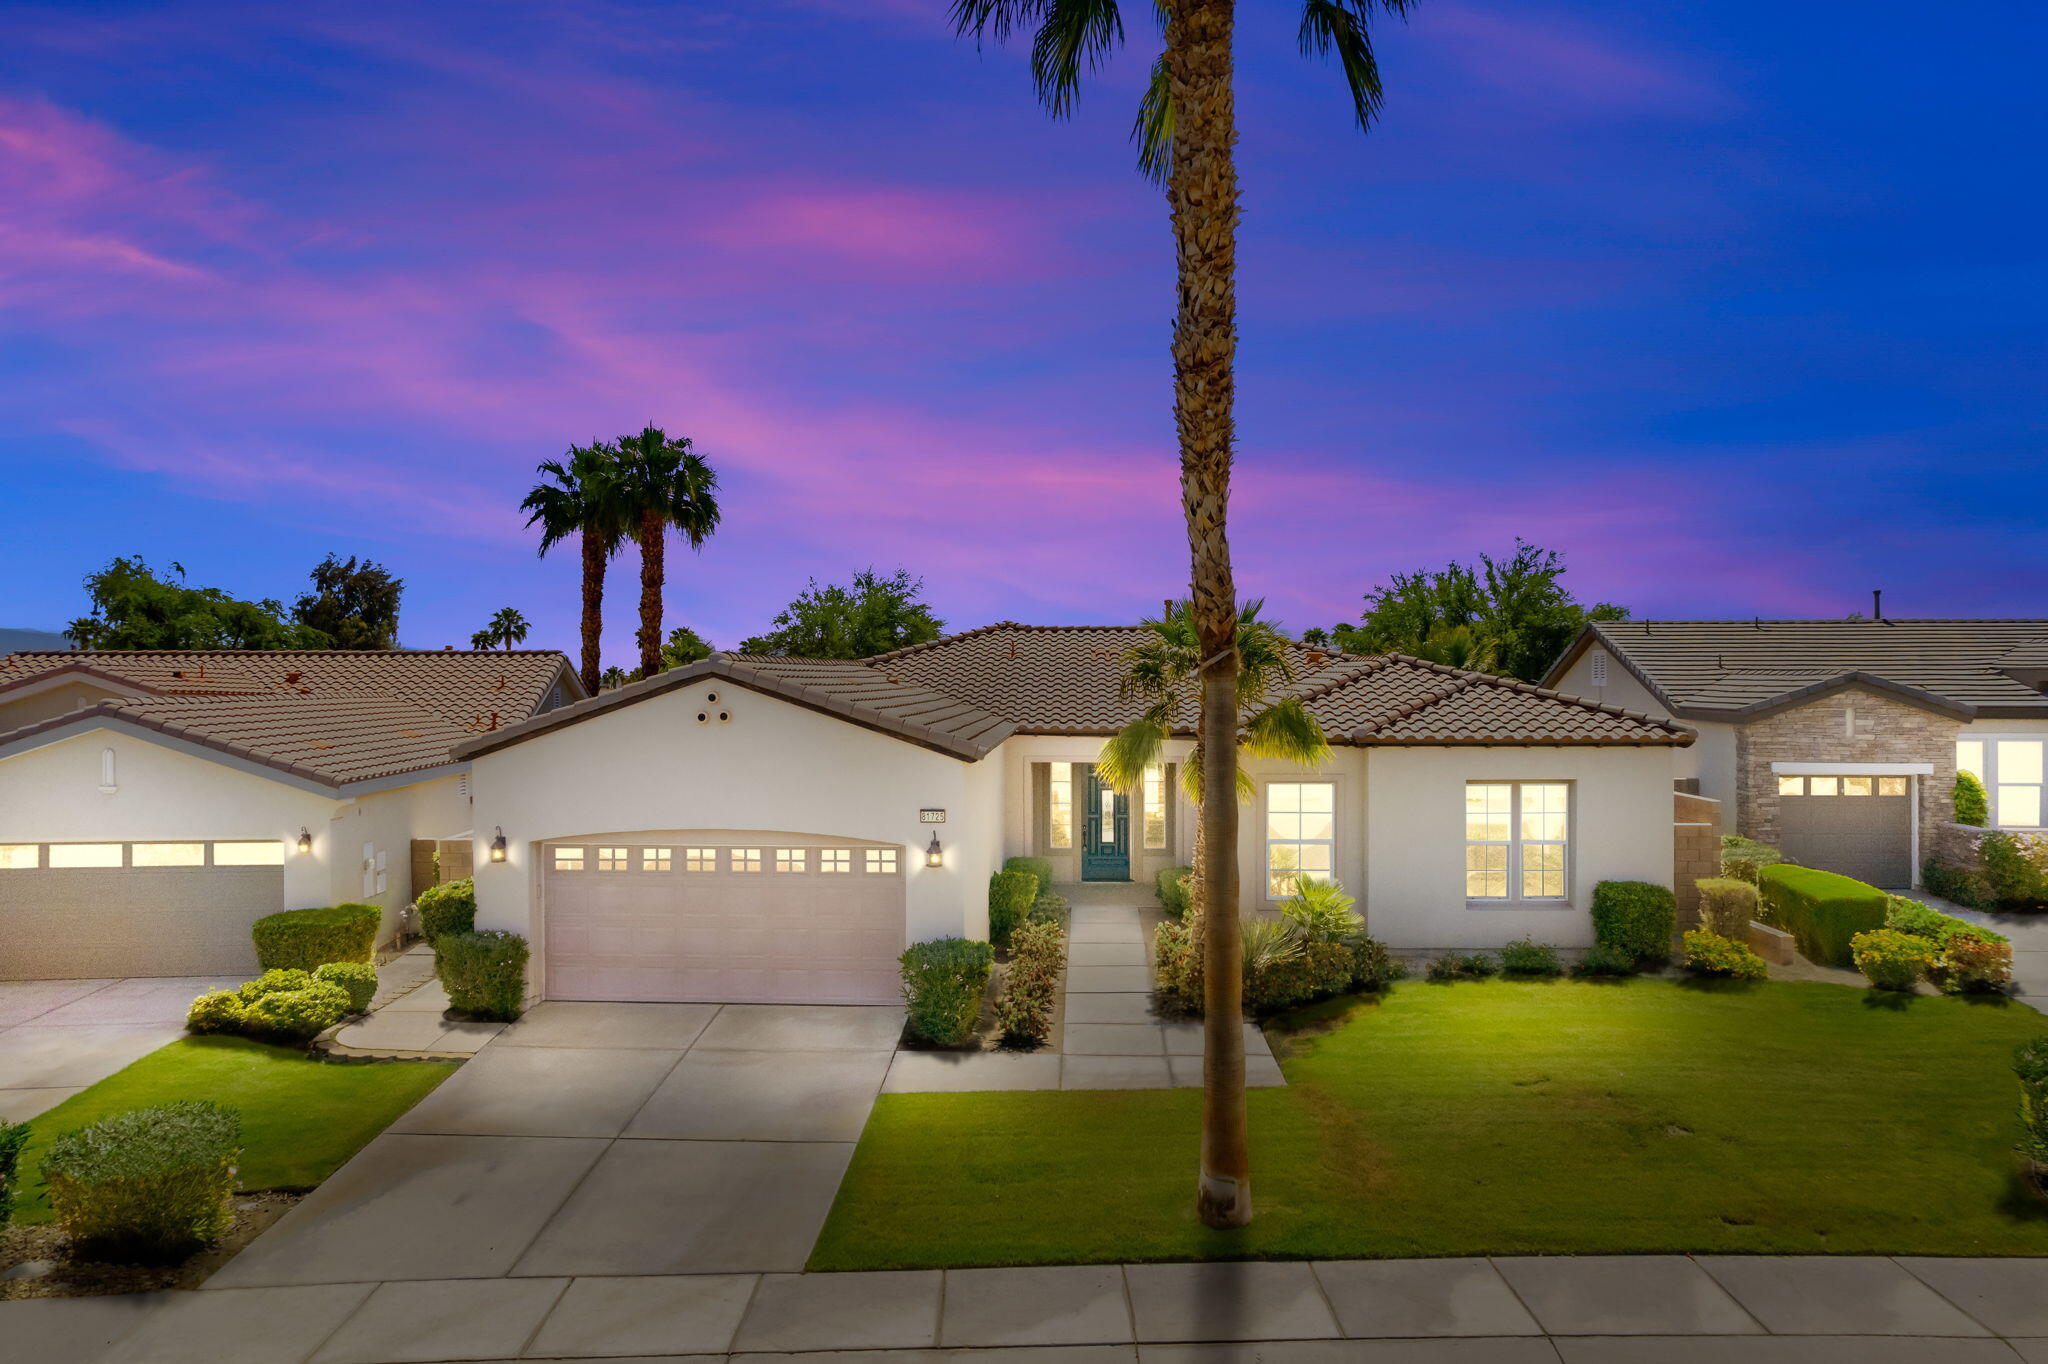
x: 1739, y: 304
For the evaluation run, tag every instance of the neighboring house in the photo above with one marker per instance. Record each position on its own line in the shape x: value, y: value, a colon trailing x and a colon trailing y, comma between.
x: 1838, y: 740
x: 154, y: 804
x: 771, y: 829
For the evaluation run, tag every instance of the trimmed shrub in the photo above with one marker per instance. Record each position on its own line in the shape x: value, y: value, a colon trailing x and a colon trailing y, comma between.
x: 1710, y: 954
x: 357, y: 979
x: 148, y: 1184
x: 1822, y: 911
x: 1041, y: 867
x: 1727, y: 905
x: 943, y: 983
x: 1965, y: 886
x: 1742, y: 858
x: 1973, y: 966
x: 13, y: 1136
x: 1891, y: 960
x: 1636, y: 916
x: 273, y: 982
x: 305, y: 938
x: 296, y: 1015
x: 1024, y: 1010
x: 2015, y: 870
x: 1174, y: 893
x: 1372, y: 966
x: 1973, y: 803
x: 2030, y: 1065
x: 1603, y: 959
x: 447, y: 909
x: 1176, y: 970
x: 1320, y: 911
x: 1047, y: 909
x: 484, y: 973
x: 1525, y: 958
x: 1317, y: 970
x: 216, y: 1011
x: 1010, y: 895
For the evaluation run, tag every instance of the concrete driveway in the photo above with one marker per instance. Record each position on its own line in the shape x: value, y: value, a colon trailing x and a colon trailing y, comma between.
x: 59, y: 1036
x: 602, y: 1139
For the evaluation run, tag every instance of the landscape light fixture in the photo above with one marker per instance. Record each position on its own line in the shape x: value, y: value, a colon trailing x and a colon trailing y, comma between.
x: 935, y: 856
x: 305, y: 839
x: 498, y: 845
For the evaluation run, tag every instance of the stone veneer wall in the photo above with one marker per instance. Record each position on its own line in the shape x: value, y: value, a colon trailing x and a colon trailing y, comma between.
x: 1819, y: 732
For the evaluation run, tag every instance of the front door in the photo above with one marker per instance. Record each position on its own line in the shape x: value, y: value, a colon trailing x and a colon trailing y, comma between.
x: 1105, y: 832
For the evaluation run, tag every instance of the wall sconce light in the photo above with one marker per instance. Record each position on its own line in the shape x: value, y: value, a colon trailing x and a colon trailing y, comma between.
x: 498, y: 846
x: 935, y: 856
x: 305, y: 839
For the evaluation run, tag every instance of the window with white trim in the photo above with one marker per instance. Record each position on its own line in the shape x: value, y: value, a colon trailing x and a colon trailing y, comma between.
x: 1155, y: 806
x: 657, y: 859
x: 1517, y: 840
x: 1060, y: 806
x: 746, y: 859
x: 613, y: 859
x: 1301, y: 834
x: 568, y: 859
x: 700, y: 859
x: 881, y: 861
x: 834, y: 861
x: 2012, y: 771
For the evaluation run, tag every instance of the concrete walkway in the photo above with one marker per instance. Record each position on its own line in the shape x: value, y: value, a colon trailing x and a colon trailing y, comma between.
x: 1553, y: 1310
x: 60, y: 1036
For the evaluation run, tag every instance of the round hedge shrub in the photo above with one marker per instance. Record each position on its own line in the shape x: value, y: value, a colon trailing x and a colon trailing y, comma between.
x: 306, y: 938
x: 1710, y: 954
x: 297, y: 1015
x: 943, y: 983
x: 272, y: 982
x: 356, y: 979
x: 1891, y: 960
x: 216, y: 1011
x: 151, y: 1184
x: 1636, y: 916
x: 484, y: 973
x: 447, y: 909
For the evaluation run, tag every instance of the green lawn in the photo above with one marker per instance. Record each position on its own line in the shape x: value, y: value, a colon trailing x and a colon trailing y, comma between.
x: 301, y: 1118
x: 1498, y: 1118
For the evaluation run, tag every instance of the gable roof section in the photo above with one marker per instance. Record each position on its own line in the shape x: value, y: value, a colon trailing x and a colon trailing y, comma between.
x: 1736, y: 670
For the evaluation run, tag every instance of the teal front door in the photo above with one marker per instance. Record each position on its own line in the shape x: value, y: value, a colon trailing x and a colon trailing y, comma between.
x: 1105, y: 832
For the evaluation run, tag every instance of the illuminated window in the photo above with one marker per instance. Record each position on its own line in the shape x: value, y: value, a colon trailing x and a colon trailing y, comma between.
x: 568, y: 859
x: 167, y: 855
x: 1857, y: 786
x: 85, y: 854
x: 248, y: 854
x: 613, y: 859
x: 1891, y: 786
x: 1791, y: 786
x: 1060, y: 830
x: 1970, y: 757
x: 835, y: 860
x: 1301, y: 834
x: 881, y: 861
x: 20, y: 856
x: 1155, y: 806
x: 746, y: 859
x: 1517, y: 840
x: 1823, y: 786
x: 789, y: 859
x: 700, y: 859
x: 657, y: 859
x: 2011, y: 770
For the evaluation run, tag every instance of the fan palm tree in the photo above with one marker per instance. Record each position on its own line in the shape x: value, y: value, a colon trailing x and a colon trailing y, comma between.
x: 665, y: 484
x: 508, y: 628
x: 581, y: 497
x: 1186, y: 131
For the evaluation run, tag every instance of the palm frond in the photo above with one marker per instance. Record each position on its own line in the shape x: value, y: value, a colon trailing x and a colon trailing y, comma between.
x: 1344, y: 27
x: 1129, y: 752
x: 1286, y: 731
x: 1075, y: 34
x: 1152, y: 130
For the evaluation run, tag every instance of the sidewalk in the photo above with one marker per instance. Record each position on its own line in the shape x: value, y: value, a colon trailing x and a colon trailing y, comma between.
x: 1551, y: 1310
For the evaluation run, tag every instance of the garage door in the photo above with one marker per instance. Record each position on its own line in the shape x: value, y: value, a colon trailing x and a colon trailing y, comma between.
x: 690, y: 917
x: 1858, y: 826
x: 71, y: 911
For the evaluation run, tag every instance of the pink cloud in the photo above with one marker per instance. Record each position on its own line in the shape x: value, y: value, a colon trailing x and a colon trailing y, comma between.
x: 1555, y: 60
x: 913, y: 230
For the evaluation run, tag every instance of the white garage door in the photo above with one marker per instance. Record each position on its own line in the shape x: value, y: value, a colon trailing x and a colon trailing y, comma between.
x: 71, y: 911
x: 701, y: 917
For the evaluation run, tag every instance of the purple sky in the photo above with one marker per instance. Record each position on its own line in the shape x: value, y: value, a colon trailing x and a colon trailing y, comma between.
x: 1738, y: 304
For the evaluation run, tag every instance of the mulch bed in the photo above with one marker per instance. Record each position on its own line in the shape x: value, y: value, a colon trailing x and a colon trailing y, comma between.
x: 38, y: 1262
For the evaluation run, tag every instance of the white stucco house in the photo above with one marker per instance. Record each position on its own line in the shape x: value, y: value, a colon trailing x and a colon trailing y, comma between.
x: 777, y: 829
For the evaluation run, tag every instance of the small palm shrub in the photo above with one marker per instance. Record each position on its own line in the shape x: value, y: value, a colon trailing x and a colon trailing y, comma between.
x: 1523, y: 957
x: 1636, y: 916
x: 1603, y: 960
x: 484, y: 973
x: 13, y: 1136
x: 1742, y: 858
x: 1710, y: 954
x: 356, y: 979
x: 1024, y: 1010
x: 1891, y: 960
x: 1176, y: 969
x: 943, y: 984
x: 1175, y: 893
x: 1372, y: 966
x: 151, y: 1184
x: 447, y: 909
x: 1010, y: 895
x: 304, y: 938
x: 1973, y: 803
x: 2030, y: 1064
x: 1320, y: 911
x: 1727, y: 905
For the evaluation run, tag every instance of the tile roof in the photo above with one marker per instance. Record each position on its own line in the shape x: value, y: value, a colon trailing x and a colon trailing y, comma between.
x: 332, y: 716
x: 1731, y: 669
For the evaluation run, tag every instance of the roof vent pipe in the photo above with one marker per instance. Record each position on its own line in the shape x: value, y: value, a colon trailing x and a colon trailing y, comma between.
x: 1877, y: 604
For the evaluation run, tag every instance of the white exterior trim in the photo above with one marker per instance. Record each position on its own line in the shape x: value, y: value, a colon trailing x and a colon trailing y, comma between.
x: 1853, y: 769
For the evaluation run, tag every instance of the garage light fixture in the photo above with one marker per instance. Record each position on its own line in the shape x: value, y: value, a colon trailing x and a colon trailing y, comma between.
x: 935, y: 856
x: 498, y: 846
x: 305, y: 840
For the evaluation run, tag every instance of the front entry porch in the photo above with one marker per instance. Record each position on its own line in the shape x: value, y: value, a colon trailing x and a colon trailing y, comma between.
x: 1097, y: 836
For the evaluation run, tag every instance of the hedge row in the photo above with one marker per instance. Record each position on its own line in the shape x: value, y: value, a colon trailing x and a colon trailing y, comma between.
x: 943, y: 984
x: 301, y: 939
x: 1821, y: 910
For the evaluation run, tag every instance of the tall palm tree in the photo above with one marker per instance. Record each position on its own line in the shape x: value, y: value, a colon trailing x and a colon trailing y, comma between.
x: 665, y: 484
x: 1186, y: 131
x: 581, y: 497
x: 508, y: 628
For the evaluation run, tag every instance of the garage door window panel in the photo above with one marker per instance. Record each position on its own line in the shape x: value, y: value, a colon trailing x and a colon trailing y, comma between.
x: 700, y: 859
x: 168, y: 855
x: 746, y: 859
x: 568, y: 859
x: 835, y: 861
x: 76, y: 855
x: 657, y: 859
x: 881, y: 861
x: 270, y: 854
x: 613, y: 859
x: 20, y: 856
x: 791, y: 859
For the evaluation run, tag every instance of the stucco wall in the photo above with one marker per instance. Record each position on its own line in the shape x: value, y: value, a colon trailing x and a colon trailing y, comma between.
x: 387, y: 822
x: 1415, y: 840
x: 774, y: 766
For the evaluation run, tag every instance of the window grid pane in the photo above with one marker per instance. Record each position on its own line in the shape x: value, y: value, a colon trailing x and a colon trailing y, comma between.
x: 612, y: 859
x: 1891, y: 786
x: 1856, y: 786
x: 789, y: 859
x: 746, y: 859
x: 657, y: 859
x: 2019, y: 807
x: 1970, y: 757
x: 2019, y: 761
x: 568, y: 859
x: 881, y: 861
x: 1823, y: 786
x: 1791, y: 786
x: 835, y: 860
x: 1301, y: 834
x: 700, y: 859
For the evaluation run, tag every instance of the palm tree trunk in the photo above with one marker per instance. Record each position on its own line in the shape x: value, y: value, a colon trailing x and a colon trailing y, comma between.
x: 653, y: 536
x: 593, y: 610
x: 1202, y: 189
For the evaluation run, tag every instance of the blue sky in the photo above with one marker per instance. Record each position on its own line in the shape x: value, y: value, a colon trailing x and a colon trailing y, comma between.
x: 1740, y: 306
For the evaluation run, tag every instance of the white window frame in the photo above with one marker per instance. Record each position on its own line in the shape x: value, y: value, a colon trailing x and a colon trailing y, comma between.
x: 1515, y: 843
x: 1059, y: 806
x: 1989, y: 773
x: 1155, y: 806
x: 1268, y: 842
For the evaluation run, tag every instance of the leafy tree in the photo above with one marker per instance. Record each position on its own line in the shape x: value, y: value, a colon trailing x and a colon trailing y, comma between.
x: 1186, y: 131
x: 508, y: 628
x: 353, y: 603
x: 664, y: 484
x: 682, y: 646
x: 1509, y: 616
x: 580, y: 496
x: 872, y: 616
x: 134, y: 608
